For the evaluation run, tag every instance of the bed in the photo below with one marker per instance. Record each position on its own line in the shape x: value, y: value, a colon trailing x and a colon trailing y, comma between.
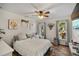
x: 32, y: 47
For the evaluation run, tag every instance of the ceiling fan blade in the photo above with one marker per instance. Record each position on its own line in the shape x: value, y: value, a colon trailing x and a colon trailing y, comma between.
x: 46, y: 15
x: 36, y: 11
x: 47, y: 12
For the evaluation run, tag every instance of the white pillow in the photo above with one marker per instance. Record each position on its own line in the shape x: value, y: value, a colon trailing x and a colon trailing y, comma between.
x: 22, y: 36
x: 37, y: 36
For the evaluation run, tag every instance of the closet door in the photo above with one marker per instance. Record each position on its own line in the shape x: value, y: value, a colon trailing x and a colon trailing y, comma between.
x: 41, y: 30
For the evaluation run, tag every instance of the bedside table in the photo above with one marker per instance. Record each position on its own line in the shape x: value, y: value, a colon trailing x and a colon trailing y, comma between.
x: 73, y: 51
x: 5, y: 49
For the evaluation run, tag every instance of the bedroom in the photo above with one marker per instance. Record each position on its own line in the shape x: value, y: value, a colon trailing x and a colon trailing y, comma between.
x: 33, y: 29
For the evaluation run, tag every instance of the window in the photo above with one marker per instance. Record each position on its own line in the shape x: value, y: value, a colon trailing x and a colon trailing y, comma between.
x: 75, y: 24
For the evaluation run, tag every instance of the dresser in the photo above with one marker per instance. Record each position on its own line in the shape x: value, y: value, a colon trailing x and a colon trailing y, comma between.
x: 5, y: 49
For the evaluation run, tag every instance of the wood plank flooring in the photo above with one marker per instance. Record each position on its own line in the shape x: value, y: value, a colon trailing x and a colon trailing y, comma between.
x: 59, y: 51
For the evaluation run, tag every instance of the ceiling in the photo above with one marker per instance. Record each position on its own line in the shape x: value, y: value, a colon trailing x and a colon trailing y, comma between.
x: 57, y: 10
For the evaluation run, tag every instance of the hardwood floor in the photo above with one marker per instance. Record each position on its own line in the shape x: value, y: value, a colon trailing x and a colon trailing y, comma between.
x: 59, y: 51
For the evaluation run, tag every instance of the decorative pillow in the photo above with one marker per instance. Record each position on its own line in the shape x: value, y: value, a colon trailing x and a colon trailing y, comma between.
x: 37, y: 36
x: 16, y: 38
x: 22, y: 36
x: 28, y: 35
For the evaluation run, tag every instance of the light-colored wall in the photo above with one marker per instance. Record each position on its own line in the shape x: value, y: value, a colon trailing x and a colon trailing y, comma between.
x: 51, y: 34
x: 4, y: 16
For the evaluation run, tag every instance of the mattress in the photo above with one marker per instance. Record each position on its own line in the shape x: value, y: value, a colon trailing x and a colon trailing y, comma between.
x: 34, y: 47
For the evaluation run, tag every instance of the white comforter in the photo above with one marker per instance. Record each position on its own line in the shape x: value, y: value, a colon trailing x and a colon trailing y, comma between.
x: 32, y: 47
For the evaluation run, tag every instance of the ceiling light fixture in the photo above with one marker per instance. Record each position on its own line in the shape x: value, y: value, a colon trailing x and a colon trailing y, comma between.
x: 41, y: 17
x: 42, y: 14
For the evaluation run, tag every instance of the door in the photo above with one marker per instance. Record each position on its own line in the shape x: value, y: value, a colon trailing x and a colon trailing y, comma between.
x: 41, y: 30
x: 62, y: 30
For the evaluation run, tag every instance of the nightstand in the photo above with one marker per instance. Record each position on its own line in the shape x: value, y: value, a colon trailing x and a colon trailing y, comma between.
x: 73, y: 51
x: 5, y: 49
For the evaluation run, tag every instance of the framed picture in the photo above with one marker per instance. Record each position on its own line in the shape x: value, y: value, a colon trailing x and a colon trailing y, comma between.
x: 25, y: 24
x: 12, y: 24
x: 50, y: 25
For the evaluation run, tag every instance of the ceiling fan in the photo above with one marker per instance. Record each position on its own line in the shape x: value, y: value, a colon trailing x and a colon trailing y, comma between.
x: 41, y: 13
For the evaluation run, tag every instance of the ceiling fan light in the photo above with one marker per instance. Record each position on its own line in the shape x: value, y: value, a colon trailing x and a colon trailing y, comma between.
x: 46, y: 15
x: 41, y: 17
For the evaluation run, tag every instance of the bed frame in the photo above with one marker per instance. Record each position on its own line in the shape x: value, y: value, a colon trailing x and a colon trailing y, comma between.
x: 15, y: 53
x: 47, y: 53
